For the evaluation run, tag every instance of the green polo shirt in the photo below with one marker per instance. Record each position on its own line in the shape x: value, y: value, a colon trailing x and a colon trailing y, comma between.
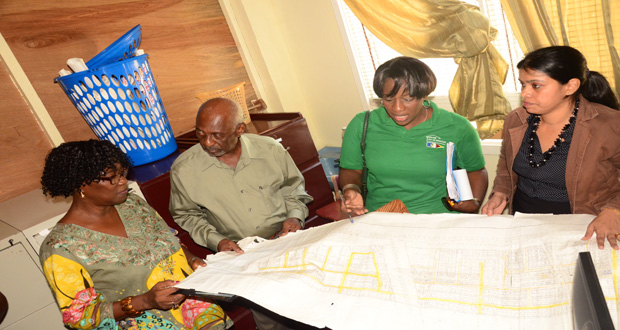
x: 410, y: 165
x: 213, y: 201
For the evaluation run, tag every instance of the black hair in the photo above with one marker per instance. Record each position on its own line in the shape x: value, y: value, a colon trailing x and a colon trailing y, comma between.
x: 563, y: 63
x: 73, y: 164
x: 405, y: 71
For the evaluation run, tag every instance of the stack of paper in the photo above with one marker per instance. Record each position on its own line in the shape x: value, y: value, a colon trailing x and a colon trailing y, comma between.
x: 456, y: 180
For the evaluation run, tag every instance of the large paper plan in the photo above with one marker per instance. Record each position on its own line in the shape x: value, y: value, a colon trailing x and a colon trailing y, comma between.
x: 404, y: 271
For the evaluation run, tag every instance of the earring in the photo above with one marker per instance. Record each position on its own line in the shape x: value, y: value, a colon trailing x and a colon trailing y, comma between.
x: 81, y: 193
x: 426, y: 103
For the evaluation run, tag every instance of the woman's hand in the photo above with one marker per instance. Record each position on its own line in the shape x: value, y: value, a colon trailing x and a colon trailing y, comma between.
x: 606, y: 225
x: 496, y: 204
x: 353, y: 202
x: 469, y: 206
x: 196, y: 263
x: 163, y: 296
x: 351, y: 199
x: 193, y: 261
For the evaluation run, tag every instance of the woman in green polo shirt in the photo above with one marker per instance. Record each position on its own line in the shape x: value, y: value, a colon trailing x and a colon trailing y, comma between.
x: 405, y: 146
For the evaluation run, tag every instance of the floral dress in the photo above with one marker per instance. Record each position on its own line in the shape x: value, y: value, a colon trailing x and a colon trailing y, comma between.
x: 88, y: 271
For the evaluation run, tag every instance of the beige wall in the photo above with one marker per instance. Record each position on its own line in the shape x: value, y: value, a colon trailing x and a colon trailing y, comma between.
x: 297, y: 59
x: 296, y: 51
x: 191, y: 50
x: 490, y: 150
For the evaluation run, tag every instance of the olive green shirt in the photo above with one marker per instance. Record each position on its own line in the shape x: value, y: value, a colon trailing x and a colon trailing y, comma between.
x: 213, y: 201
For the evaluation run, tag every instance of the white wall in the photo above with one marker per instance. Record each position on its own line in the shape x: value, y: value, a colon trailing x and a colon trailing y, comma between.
x: 490, y: 150
x: 296, y: 57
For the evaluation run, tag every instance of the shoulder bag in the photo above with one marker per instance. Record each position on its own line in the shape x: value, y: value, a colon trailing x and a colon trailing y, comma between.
x: 363, y: 146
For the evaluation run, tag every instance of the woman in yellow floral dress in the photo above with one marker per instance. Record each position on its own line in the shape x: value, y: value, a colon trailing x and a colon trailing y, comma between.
x: 111, y: 261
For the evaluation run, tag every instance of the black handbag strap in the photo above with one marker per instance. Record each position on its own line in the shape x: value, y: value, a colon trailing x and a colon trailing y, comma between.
x: 363, y: 146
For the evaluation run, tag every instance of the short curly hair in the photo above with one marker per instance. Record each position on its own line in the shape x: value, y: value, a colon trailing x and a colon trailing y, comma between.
x: 73, y: 164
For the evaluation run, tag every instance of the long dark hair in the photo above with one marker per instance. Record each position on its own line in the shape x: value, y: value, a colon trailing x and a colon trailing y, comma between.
x: 563, y: 63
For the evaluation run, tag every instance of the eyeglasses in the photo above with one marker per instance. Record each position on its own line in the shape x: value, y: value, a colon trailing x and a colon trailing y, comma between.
x: 116, y: 178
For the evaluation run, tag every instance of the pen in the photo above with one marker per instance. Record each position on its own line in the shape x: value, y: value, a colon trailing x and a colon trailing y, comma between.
x: 350, y: 218
x: 345, y: 207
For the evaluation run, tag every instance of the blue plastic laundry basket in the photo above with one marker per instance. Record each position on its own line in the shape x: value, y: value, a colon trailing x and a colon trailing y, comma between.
x: 121, y: 103
x: 124, y: 47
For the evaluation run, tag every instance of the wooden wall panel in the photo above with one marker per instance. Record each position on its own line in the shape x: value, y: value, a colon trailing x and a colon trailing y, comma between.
x: 23, y: 145
x: 190, y: 47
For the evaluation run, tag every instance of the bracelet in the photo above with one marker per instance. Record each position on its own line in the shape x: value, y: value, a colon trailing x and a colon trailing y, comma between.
x: 616, y: 211
x: 476, y: 201
x: 352, y: 186
x: 128, y: 308
x: 192, y: 260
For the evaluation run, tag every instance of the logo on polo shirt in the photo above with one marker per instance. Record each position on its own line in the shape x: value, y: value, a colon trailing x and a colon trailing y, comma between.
x: 434, y: 141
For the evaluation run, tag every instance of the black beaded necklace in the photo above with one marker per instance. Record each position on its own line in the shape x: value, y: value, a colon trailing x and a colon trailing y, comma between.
x: 561, y: 138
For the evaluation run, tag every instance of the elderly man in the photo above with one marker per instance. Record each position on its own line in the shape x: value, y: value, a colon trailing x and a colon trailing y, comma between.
x: 234, y: 185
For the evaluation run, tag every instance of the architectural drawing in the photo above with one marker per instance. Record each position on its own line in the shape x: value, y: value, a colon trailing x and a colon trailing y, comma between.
x: 418, y: 271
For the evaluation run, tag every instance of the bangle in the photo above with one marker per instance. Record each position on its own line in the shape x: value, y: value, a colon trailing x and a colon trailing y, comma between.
x: 616, y: 211
x: 192, y: 260
x: 476, y: 201
x: 352, y: 186
x: 128, y: 308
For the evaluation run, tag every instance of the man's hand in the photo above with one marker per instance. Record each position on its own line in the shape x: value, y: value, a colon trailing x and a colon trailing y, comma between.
x: 288, y: 226
x: 228, y: 245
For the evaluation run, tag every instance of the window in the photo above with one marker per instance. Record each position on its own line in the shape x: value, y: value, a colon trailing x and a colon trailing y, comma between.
x: 370, y: 52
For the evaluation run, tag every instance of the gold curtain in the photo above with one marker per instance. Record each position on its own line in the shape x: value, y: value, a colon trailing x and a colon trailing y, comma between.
x: 446, y: 28
x: 592, y: 26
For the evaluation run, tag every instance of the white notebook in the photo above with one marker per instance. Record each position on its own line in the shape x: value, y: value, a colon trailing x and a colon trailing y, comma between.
x: 457, y: 181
